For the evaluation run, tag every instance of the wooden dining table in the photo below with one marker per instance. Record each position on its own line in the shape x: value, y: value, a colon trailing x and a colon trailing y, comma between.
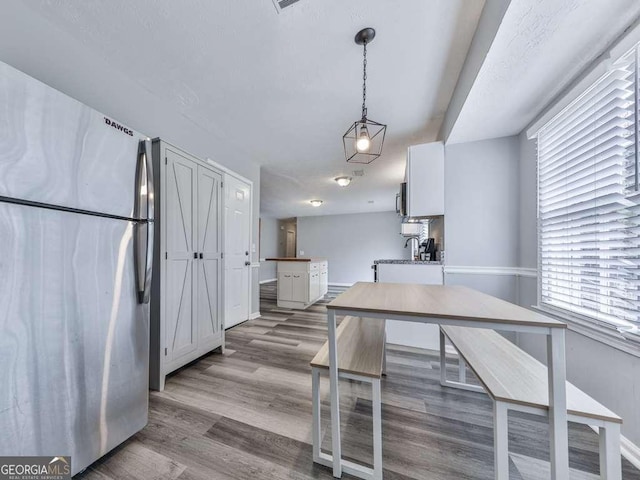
x: 452, y: 305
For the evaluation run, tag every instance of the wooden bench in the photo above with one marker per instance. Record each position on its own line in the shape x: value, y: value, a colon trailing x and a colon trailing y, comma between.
x: 361, y: 356
x: 517, y: 381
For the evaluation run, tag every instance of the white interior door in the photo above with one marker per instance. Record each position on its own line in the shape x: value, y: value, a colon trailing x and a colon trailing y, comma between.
x: 237, y: 250
x: 209, y: 272
x: 180, y: 332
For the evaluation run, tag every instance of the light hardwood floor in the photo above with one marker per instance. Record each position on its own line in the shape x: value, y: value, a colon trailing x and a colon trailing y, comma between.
x: 247, y: 415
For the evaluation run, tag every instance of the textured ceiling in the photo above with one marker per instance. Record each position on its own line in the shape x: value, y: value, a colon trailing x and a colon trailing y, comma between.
x: 284, y: 87
x: 540, y: 47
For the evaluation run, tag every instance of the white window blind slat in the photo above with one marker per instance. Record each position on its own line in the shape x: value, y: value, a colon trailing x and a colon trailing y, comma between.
x: 589, y: 203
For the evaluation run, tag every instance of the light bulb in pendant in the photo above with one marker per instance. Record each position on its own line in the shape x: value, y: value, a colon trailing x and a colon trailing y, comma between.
x: 364, y: 142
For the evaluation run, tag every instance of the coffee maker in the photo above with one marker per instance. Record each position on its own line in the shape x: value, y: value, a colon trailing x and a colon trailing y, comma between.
x: 427, y: 250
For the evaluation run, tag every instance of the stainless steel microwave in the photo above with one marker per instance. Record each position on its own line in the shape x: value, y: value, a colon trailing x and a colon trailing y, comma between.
x: 401, y: 200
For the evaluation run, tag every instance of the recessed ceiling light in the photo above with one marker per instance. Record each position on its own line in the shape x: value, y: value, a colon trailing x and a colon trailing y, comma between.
x: 316, y: 203
x: 343, y: 181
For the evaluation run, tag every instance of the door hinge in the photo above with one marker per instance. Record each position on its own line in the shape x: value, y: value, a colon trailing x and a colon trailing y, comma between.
x: 165, y: 160
x: 165, y: 352
x: 166, y: 255
x: 221, y: 184
x: 222, y: 255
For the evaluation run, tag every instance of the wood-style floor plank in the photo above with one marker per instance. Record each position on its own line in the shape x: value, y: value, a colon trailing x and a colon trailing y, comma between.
x: 247, y: 415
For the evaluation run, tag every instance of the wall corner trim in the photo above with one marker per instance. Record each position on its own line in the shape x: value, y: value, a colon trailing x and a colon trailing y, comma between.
x: 254, y: 315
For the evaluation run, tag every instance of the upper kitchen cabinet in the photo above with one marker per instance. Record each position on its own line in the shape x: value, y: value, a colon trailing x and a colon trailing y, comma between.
x: 425, y: 180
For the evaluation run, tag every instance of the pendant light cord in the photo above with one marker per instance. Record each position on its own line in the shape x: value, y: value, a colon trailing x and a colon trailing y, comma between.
x: 364, y: 83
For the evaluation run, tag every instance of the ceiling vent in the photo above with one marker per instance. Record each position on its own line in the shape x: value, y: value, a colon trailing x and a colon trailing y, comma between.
x: 358, y: 173
x: 282, y: 4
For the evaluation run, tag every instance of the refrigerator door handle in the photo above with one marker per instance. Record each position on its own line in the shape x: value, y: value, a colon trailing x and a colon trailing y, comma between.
x: 144, y: 211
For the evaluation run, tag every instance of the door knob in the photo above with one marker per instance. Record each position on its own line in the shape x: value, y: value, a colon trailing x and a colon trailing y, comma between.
x: 246, y: 253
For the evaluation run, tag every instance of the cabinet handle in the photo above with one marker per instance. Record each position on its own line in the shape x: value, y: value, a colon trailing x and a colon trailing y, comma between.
x: 296, y: 276
x: 287, y: 276
x: 201, y: 255
x: 195, y: 255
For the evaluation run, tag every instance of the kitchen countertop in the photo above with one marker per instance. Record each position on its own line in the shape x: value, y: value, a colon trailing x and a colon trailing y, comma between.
x: 296, y: 259
x: 408, y: 262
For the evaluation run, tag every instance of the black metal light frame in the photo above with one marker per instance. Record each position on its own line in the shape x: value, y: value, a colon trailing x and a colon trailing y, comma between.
x: 376, y: 131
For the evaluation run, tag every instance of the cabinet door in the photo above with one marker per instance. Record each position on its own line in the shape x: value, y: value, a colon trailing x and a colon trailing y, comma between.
x: 425, y: 174
x: 208, y: 266
x: 180, y: 325
x: 285, y: 286
x: 300, y: 290
x: 324, y: 284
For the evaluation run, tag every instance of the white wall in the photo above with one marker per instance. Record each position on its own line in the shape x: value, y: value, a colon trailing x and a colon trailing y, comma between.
x: 268, y: 247
x: 31, y: 44
x: 609, y: 375
x: 352, y: 242
x: 481, y: 213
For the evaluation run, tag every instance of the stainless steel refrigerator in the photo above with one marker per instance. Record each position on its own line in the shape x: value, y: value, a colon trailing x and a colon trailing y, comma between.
x: 76, y: 213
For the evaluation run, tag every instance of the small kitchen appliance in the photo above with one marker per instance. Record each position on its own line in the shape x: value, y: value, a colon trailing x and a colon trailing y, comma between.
x: 428, y: 250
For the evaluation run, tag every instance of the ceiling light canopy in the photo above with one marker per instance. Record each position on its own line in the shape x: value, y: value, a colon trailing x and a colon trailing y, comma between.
x: 343, y: 181
x: 315, y: 203
x: 364, y: 139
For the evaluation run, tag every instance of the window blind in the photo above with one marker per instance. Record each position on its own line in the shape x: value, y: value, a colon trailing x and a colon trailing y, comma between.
x: 589, y: 202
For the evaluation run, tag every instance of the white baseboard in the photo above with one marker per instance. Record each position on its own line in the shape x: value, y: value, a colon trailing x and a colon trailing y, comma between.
x: 269, y: 280
x: 629, y: 450
x: 254, y: 315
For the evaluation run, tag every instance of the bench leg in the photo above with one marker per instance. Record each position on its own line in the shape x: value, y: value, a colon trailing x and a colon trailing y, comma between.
x: 462, y: 370
x: 336, y: 446
x: 315, y: 393
x: 610, y: 461
x: 501, y: 440
x: 384, y: 355
x: 443, y: 362
x: 377, y: 429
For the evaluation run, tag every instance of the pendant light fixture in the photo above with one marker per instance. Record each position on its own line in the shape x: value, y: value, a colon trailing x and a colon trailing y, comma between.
x: 364, y: 139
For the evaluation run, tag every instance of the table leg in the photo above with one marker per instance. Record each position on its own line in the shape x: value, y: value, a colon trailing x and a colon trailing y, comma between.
x: 336, y: 448
x: 558, y: 426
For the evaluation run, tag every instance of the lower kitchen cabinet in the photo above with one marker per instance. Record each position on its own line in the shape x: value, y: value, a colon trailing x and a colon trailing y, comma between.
x: 186, y: 300
x: 301, y: 282
x: 419, y: 335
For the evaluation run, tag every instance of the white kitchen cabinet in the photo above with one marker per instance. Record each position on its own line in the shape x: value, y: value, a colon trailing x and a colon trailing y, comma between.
x: 425, y: 180
x: 301, y: 282
x: 410, y: 334
x: 186, y: 299
x: 324, y: 278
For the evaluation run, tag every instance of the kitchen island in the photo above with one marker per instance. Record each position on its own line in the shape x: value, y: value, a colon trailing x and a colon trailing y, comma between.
x: 301, y: 281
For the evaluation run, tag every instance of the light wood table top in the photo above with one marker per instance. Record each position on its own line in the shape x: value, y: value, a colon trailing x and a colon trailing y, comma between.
x: 439, y: 301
